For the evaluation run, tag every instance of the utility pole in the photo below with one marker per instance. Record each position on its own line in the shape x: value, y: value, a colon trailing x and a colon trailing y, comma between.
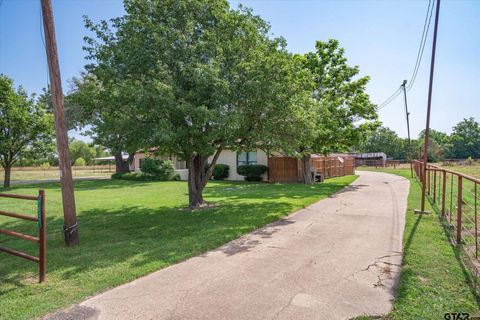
x: 404, y: 85
x: 429, y: 106
x: 70, y: 229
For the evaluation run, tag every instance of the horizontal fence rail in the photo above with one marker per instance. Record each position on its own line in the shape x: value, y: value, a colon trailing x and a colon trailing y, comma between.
x: 331, y: 167
x: 40, y: 240
x: 289, y: 169
x: 456, y: 197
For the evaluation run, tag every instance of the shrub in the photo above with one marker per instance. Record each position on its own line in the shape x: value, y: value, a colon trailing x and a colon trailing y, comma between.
x: 252, y: 172
x: 134, y: 176
x: 80, y: 162
x: 160, y: 169
x: 116, y: 175
x: 45, y: 166
x: 469, y: 161
x: 220, y: 172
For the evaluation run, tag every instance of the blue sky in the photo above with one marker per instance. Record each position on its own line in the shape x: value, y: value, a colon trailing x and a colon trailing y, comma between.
x: 382, y: 37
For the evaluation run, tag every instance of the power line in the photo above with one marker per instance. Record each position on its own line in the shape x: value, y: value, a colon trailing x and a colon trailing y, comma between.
x: 389, y: 99
x: 421, y: 48
x: 44, y: 46
x: 423, y: 41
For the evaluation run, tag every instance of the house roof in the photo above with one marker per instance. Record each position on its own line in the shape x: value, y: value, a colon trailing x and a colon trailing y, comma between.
x: 124, y: 157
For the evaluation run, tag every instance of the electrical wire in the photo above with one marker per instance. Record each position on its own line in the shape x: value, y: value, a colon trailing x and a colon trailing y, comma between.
x: 423, y: 41
x: 421, y: 48
x: 44, y: 45
x: 389, y: 99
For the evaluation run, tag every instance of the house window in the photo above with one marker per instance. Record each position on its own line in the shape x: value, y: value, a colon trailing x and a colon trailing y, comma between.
x: 246, y: 158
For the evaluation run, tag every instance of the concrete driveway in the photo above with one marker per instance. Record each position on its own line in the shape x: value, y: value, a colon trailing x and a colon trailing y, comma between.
x: 336, y: 259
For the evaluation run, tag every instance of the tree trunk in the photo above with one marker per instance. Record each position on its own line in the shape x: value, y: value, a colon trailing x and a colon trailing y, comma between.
x: 121, y: 166
x: 6, y: 180
x: 198, y: 178
x: 307, y: 170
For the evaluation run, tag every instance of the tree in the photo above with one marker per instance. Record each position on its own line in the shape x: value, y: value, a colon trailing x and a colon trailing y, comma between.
x: 465, y: 139
x: 194, y: 77
x: 438, y: 144
x: 329, y: 120
x: 111, y: 122
x: 80, y: 149
x: 26, y: 128
x: 74, y: 115
x: 385, y: 140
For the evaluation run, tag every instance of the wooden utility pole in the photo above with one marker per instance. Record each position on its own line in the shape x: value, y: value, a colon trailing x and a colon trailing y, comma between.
x: 69, y: 214
x: 429, y: 106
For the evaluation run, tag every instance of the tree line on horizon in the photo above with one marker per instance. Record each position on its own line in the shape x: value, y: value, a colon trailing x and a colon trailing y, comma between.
x: 462, y: 143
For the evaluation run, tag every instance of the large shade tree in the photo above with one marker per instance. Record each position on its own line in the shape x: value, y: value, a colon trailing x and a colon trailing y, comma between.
x: 196, y: 77
x: 26, y: 129
x: 107, y: 117
x: 338, y: 111
x: 465, y: 140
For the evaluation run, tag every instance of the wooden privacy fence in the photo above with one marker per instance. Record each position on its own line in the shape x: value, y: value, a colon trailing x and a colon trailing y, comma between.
x: 289, y: 169
x: 456, y: 196
x: 40, y: 240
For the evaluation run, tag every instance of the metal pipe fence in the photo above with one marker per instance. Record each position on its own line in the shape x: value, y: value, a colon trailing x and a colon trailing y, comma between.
x: 456, y: 197
x: 40, y: 219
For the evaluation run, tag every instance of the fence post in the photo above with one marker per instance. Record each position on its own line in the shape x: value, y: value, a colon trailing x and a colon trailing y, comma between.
x: 43, y: 242
x: 459, y: 210
x: 444, y: 189
x: 428, y: 179
x: 435, y: 186
x: 476, y: 225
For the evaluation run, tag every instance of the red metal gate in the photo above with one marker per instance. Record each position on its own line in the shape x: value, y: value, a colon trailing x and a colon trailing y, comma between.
x: 40, y: 240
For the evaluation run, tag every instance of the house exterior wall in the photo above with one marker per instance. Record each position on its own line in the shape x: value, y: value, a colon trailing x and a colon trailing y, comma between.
x: 227, y: 157
x: 135, y: 166
x: 177, y: 164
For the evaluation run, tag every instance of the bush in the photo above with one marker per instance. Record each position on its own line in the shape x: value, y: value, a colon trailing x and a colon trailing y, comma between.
x: 157, y: 168
x: 116, y: 175
x: 80, y: 162
x: 220, y: 172
x: 469, y: 161
x: 134, y: 176
x: 252, y: 172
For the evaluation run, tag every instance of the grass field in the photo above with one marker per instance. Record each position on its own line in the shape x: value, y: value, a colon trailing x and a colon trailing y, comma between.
x: 433, y: 279
x: 52, y: 173
x: 471, y: 170
x: 129, y: 229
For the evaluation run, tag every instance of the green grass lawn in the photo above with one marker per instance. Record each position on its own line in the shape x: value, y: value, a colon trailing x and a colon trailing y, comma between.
x: 471, y: 170
x: 129, y: 229
x: 433, y: 280
x: 53, y: 173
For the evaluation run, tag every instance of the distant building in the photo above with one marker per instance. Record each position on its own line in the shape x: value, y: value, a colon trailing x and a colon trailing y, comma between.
x: 378, y: 159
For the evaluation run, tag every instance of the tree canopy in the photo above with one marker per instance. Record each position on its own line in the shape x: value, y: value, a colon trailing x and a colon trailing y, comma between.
x: 26, y: 128
x: 337, y: 110
x: 386, y: 140
x: 191, y: 78
x: 462, y: 143
x: 465, y: 140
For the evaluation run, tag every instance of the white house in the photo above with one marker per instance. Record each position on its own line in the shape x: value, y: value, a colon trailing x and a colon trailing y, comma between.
x: 231, y: 158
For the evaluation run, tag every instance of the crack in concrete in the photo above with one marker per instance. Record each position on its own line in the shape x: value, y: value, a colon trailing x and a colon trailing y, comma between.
x: 384, y: 270
x: 285, y: 306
